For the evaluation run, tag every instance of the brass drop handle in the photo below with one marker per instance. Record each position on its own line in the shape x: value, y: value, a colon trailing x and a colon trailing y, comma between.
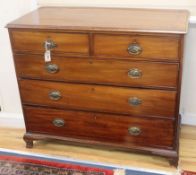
x: 134, y: 131
x: 135, y: 73
x: 134, y: 101
x: 54, y: 95
x: 58, y: 122
x: 49, y: 44
x: 134, y: 49
x: 52, y: 68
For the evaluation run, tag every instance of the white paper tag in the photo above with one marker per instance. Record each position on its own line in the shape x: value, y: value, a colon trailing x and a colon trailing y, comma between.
x: 47, y: 56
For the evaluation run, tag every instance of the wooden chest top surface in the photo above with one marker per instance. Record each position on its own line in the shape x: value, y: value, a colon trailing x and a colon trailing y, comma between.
x: 105, y: 19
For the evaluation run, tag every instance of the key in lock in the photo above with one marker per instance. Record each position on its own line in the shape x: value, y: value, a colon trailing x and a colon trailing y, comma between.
x: 49, y: 45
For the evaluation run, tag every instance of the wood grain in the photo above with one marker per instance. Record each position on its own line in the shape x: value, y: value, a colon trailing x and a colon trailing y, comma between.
x: 33, y: 41
x: 93, y: 126
x: 99, y: 98
x: 105, y: 19
x: 153, y: 47
x: 96, y: 71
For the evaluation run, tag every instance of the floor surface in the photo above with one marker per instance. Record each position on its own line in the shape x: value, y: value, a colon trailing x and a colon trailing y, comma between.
x: 12, y: 139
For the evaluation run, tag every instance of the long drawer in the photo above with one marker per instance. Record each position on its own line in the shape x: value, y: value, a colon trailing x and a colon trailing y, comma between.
x: 137, y: 46
x: 99, y: 98
x: 124, y: 131
x: 34, y: 41
x: 122, y: 73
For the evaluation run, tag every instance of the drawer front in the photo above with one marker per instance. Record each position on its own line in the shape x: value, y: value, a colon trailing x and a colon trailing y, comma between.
x: 99, y: 98
x: 122, y: 130
x: 134, y: 46
x: 123, y: 73
x: 72, y: 43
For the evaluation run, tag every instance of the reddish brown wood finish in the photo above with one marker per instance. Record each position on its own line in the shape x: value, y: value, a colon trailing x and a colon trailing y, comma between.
x: 99, y: 98
x: 33, y: 41
x: 157, y: 133
x: 153, y: 47
x: 93, y: 64
x: 105, y: 19
x: 96, y: 71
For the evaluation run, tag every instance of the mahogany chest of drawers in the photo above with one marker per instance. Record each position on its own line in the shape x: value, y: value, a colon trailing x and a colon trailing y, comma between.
x: 101, y: 76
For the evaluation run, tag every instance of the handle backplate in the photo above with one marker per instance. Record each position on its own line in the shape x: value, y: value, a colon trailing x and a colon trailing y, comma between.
x: 134, y: 49
x: 134, y: 131
x: 52, y: 68
x: 135, y: 73
x: 54, y: 95
x: 49, y: 44
x: 134, y: 101
x: 58, y: 122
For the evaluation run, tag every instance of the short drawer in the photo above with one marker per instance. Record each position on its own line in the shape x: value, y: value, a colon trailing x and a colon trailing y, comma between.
x: 137, y: 46
x: 124, y: 131
x: 122, y: 73
x: 33, y: 41
x: 99, y: 98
